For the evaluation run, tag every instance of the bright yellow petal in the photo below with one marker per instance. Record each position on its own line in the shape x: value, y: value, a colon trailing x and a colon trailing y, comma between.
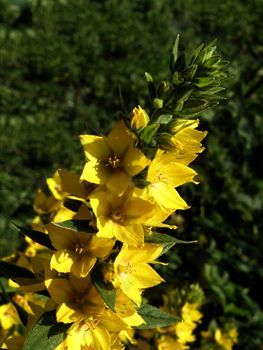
x: 167, y: 196
x: 178, y: 174
x: 100, y: 247
x: 137, y: 210
x: 59, y: 290
x: 70, y: 183
x: 144, y: 276
x: 95, y: 172
x: 65, y: 314
x: 118, y: 182
x: 83, y: 265
x: 149, y: 252
x: 134, y: 161
x: 95, y: 147
x: 131, y: 234
x: 61, y: 238
x: 62, y: 260
x: 130, y: 289
x: 120, y: 138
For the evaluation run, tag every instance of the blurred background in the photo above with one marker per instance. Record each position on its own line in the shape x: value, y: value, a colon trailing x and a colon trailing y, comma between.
x: 61, y: 65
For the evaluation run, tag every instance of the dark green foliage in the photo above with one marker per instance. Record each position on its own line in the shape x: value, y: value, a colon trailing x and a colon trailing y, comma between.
x: 61, y: 65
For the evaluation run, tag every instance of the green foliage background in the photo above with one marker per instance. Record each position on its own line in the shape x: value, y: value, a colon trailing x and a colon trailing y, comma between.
x: 61, y: 65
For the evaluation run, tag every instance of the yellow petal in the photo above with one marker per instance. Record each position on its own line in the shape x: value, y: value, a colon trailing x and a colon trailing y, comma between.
x: 61, y: 238
x: 83, y: 265
x: 65, y: 314
x: 131, y: 234
x: 130, y: 290
x: 118, y: 182
x: 95, y: 172
x: 70, y: 183
x: 167, y: 196
x: 137, y: 210
x: 120, y: 138
x: 134, y: 161
x: 59, y: 290
x: 100, y: 247
x: 95, y: 147
x: 144, y: 276
x: 62, y: 260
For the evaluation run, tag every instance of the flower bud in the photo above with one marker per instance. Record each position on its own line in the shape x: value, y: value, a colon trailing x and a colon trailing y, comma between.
x: 139, y: 118
x: 168, y: 142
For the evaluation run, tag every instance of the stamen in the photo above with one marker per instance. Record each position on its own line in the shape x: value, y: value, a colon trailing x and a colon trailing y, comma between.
x: 113, y: 162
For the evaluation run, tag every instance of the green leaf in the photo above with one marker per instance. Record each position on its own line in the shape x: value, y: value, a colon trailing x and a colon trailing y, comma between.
x: 165, y: 240
x: 21, y: 312
x: 164, y: 118
x: 15, y: 272
x: 147, y: 133
x: 6, y: 287
x: 76, y: 225
x: 174, y: 53
x: 37, y: 236
x: 154, y: 317
x: 105, y: 290
x: 46, y: 334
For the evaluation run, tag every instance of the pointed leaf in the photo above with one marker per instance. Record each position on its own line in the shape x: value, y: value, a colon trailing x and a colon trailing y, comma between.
x: 15, y: 272
x: 37, y: 236
x: 76, y: 225
x: 165, y: 240
x: 105, y: 290
x: 46, y: 334
x: 154, y: 317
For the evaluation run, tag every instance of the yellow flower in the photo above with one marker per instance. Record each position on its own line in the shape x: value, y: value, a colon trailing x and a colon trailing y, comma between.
x: 8, y: 316
x: 184, y: 332
x: 126, y: 310
x: 76, y: 298
x: 95, y: 333
x: 186, y: 140
x: 226, y: 339
x: 139, y: 118
x: 164, y: 174
x: 166, y: 342
x: 190, y: 312
x: 132, y: 272
x: 77, y: 252
x: 121, y: 217
x: 112, y: 160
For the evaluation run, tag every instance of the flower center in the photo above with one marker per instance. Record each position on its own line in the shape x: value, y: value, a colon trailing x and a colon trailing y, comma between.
x: 113, y: 162
x: 160, y: 177
x: 117, y: 215
x: 81, y: 248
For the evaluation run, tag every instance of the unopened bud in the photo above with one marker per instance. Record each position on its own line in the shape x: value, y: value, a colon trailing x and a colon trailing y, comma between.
x: 158, y: 103
x: 168, y: 142
x: 139, y: 118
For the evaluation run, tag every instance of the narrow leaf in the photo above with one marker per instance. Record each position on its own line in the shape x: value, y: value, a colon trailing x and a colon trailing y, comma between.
x: 105, y: 290
x: 165, y: 240
x: 46, y: 334
x: 154, y: 317
x: 15, y: 272
x: 37, y: 236
x: 76, y: 225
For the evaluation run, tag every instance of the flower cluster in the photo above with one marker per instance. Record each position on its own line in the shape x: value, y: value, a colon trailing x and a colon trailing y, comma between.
x: 94, y: 239
x: 99, y: 228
